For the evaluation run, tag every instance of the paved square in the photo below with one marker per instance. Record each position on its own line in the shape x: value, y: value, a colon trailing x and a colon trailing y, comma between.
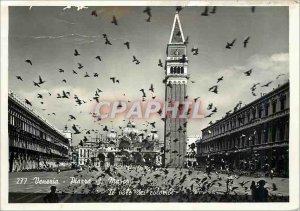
x: 178, y: 180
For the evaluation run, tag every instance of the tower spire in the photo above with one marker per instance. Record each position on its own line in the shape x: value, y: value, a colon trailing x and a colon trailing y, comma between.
x: 176, y: 33
x: 176, y: 88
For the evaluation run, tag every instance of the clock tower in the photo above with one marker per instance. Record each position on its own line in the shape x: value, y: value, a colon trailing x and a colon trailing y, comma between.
x: 176, y: 80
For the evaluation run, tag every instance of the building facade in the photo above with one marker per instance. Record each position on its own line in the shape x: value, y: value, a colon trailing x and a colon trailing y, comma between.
x: 131, y: 147
x: 87, y: 153
x: 191, y: 150
x: 253, y: 138
x: 74, y: 156
x: 33, y: 142
x: 176, y: 88
x: 68, y: 134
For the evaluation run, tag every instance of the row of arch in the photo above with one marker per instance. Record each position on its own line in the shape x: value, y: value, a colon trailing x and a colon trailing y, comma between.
x: 145, y: 144
x: 176, y: 82
x: 177, y: 70
x: 127, y: 158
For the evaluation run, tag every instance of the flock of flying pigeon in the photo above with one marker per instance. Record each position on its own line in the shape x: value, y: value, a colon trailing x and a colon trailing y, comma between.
x: 115, y: 80
x: 214, y: 88
x: 183, y: 185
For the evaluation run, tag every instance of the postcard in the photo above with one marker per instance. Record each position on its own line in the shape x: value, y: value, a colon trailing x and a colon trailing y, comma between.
x: 157, y: 105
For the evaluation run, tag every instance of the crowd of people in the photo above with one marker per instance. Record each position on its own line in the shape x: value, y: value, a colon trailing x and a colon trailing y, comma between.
x: 247, y: 167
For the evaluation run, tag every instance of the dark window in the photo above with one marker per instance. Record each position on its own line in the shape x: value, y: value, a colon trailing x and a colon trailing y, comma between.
x: 248, y: 117
x: 259, y: 113
x: 274, y: 107
x: 266, y: 110
x: 172, y: 70
x: 265, y: 135
x: 282, y: 103
x: 258, y: 137
x: 247, y: 142
x: 251, y: 140
x: 243, y: 119
x: 253, y: 113
x: 181, y: 70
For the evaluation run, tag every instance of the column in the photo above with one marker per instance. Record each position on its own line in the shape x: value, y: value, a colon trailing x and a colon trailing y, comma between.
x: 240, y: 142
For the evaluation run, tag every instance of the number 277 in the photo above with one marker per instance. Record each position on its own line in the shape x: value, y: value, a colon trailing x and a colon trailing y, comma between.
x: 21, y: 180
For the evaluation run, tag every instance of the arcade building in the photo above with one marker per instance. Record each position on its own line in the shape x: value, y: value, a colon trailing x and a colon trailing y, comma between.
x: 34, y: 144
x: 254, y: 138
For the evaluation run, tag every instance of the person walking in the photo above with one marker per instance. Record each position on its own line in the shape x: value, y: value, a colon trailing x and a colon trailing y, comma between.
x: 262, y: 193
x: 51, y: 197
x: 253, y: 190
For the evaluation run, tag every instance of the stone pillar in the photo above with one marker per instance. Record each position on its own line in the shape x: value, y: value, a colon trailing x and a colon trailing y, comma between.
x: 28, y: 162
x: 256, y: 137
x: 32, y: 162
x: 19, y: 162
x: 22, y: 162
x: 263, y: 135
x: 241, y: 142
x: 14, y: 166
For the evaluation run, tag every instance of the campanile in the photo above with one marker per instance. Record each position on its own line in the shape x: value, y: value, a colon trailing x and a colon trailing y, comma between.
x: 176, y: 80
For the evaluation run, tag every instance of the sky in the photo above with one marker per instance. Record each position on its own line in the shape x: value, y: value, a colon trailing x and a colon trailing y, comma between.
x: 48, y: 36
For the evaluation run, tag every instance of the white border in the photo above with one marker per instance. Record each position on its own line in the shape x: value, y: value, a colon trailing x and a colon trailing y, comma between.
x: 294, y: 110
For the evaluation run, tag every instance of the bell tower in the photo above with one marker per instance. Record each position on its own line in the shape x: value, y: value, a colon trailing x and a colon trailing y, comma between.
x: 176, y: 80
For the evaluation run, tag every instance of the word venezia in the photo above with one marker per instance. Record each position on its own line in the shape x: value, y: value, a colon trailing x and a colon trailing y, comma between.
x: 39, y: 181
x: 137, y: 109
